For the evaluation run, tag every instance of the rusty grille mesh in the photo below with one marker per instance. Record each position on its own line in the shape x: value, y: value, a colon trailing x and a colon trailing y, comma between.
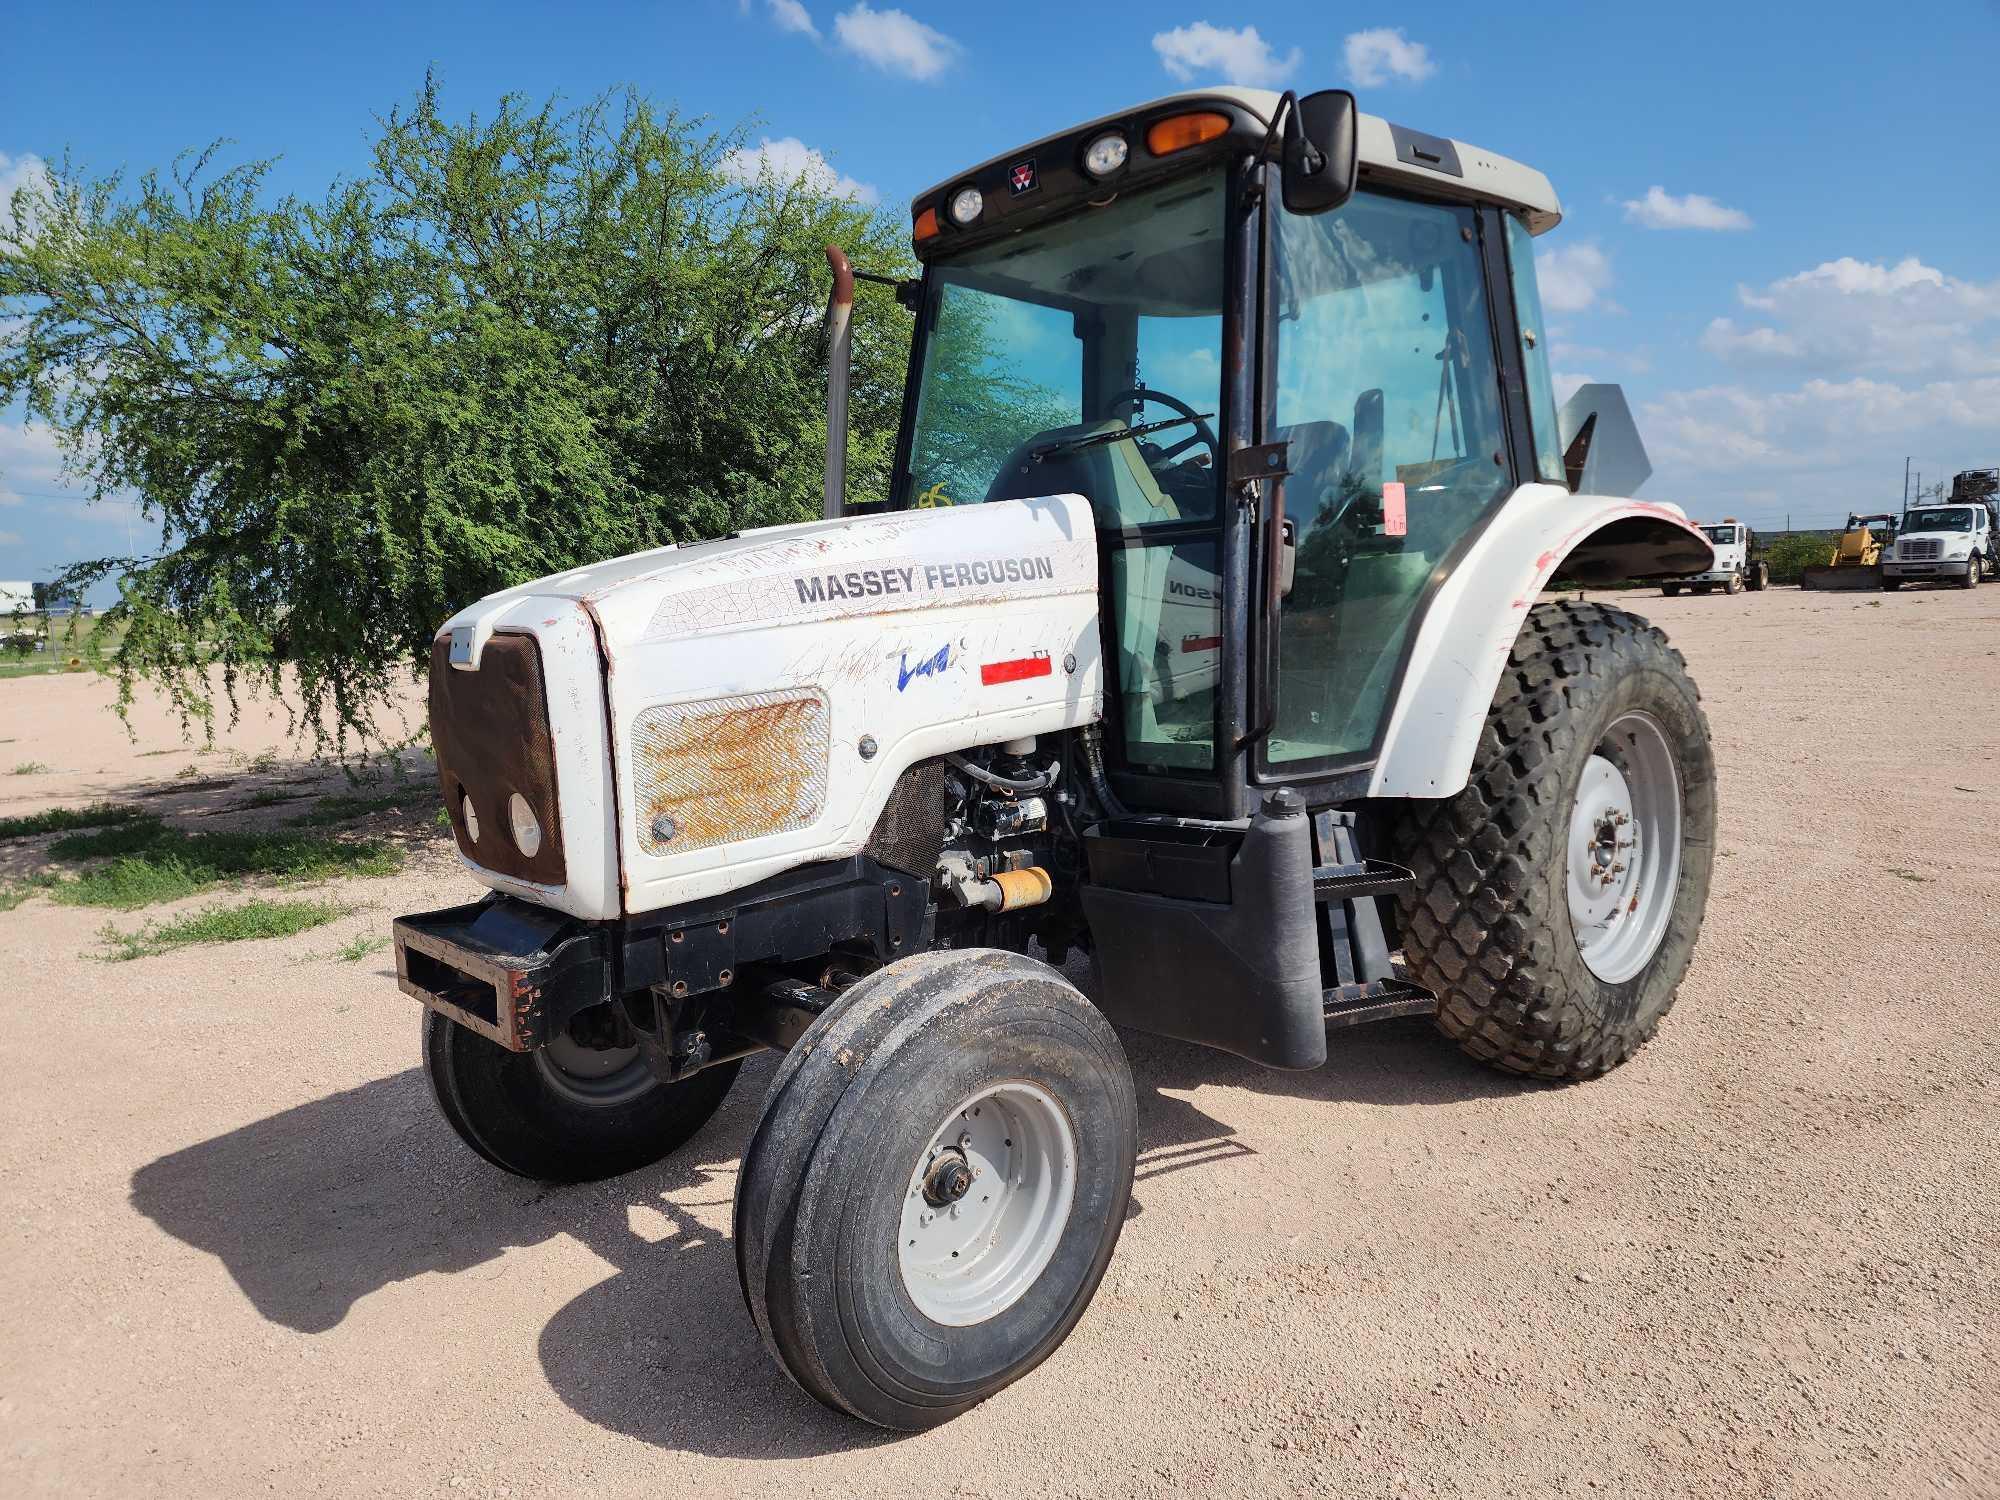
x: 729, y: 769
x: 490, y: 730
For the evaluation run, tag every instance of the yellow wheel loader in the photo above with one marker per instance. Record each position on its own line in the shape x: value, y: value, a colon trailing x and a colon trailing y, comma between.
x: 1856, y: 559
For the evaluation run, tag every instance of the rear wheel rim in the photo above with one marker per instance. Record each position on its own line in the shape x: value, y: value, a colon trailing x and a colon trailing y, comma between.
x: 1625, y: 848
x: 594, y: 1077
x: 987, y: 1203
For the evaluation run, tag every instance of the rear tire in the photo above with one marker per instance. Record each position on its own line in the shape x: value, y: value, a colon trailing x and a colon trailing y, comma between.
x: 1671, y: 590
x: 873, y: 1308
x: 1760, y: 578
x: 1592, y: 698
x: 528, y: 1114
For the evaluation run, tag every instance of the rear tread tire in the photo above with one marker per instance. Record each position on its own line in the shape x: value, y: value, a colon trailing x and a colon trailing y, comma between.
x: 1488, y: 927
x: 501, y: 1106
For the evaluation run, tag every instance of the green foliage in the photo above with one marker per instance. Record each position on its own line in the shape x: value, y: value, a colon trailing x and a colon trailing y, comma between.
x: 517, y: 344
x: 150, y: 862
x: 340, y: 808
x: 14, y: 892
x: 65, y: 819
x: 1792, y: 554
x: 361, y: 947
x: 30, y: 768
x: 221, y: 924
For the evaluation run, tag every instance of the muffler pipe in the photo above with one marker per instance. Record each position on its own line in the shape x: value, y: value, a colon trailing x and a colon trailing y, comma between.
x: 839, y: 350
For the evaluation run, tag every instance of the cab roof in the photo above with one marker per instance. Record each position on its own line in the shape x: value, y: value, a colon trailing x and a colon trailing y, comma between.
x: 1388, y: 152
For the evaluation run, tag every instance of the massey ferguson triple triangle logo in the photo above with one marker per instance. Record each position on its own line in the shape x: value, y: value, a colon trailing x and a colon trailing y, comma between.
x: 1022, y: 178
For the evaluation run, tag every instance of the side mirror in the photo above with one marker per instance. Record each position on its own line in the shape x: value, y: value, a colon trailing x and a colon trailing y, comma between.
x: 1320, y: 155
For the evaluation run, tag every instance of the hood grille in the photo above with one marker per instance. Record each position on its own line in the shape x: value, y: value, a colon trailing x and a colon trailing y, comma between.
x: 1927, y: 550
x: 490, y: 729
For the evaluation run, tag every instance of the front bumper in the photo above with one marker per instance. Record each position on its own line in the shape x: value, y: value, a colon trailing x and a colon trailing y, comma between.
x: 510, y: 970
x: 1955, y: 567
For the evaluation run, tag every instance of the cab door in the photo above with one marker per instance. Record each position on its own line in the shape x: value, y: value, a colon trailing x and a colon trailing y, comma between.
x: 1403, y: 411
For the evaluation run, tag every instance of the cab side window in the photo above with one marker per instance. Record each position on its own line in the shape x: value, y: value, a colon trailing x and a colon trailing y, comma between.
x: 1388, y: 393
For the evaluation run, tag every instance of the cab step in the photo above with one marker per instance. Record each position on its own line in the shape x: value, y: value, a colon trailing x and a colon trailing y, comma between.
x: 1362, y: 877
x: 1377, y: 1000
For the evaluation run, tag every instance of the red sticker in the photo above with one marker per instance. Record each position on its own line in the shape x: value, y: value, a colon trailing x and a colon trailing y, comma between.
x: 1013, y: 671
x: 1395, y: 517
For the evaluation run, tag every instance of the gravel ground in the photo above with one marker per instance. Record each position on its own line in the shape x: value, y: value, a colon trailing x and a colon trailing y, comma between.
x: 242, y: 1254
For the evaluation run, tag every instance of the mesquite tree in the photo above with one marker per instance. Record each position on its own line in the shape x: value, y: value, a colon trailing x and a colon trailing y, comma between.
x: 515, y: 345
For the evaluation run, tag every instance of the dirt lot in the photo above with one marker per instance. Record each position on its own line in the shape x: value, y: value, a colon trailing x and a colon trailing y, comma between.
x: 241, y: 1254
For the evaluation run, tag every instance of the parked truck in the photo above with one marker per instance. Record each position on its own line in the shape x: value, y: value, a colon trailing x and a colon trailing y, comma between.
x: 1275, y: 402
x: 1739, y: 563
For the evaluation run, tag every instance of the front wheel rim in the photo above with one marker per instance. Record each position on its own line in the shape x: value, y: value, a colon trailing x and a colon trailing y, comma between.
x: 1625, y: 848
x: 987, y: 1203
x: 594, y: 1077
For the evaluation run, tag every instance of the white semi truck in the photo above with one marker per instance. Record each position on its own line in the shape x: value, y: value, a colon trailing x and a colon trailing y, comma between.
x: 1737, y: 566
x: 1950, y: 543
x: 1200, y: 631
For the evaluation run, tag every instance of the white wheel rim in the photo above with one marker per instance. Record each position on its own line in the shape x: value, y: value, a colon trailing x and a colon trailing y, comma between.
x: 1625, y: 848
x: 986, y: 1204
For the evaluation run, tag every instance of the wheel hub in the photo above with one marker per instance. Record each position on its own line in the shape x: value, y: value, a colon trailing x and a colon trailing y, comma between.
x: 1624, y: 848
x: 986, y: 1203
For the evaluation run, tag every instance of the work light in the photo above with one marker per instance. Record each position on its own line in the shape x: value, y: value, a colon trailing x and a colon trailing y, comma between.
x: 1105, y: 155
x: 965, y: 206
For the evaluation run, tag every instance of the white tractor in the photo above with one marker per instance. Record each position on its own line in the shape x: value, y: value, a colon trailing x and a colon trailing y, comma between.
x: 1201, y: 632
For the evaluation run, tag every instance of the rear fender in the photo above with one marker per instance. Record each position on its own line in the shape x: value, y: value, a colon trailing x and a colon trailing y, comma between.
x: 1543, y: 535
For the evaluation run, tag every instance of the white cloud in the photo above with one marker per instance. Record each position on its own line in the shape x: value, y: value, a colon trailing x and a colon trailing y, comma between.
x: 16, y: 172
x: 1383, y: 54
x: 792, y: 16
x: 895, y: 42
x: 1567, y: 384
x: 1572, y: 277
x: 1211, y: 53
x: 1660, y: 209
x: 1849, y: 316
x: 790, y: 159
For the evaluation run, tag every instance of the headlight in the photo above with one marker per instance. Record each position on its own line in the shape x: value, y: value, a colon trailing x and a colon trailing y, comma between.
x: 527, y: 832
x: 966, y: 204
x: 1105, y: 155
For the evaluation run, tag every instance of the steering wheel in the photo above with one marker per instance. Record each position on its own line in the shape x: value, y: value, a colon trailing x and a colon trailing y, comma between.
x: 1203, y: 433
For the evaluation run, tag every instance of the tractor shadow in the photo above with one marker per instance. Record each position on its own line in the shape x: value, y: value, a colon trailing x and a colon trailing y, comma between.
x: 314, y: 1208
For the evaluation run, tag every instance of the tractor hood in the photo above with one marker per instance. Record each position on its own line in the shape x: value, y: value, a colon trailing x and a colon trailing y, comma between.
x: 668, y: 726
x: 883, y: 564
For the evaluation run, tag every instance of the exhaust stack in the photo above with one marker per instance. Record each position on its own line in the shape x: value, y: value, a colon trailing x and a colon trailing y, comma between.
x: 839, y: 348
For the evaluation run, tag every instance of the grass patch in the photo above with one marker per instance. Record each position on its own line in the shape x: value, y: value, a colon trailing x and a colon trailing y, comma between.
x: 1910, y: 875
x: 271, y: 797
x: 30, y: 768
x: 221, y: 924
x: 13, y: 893
x: 361, y: 947
x: 64, y: 819
x: 341, y: 808
x: 151, y: 863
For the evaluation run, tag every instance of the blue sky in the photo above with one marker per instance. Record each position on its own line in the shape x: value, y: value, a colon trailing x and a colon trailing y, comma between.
x: 1782, y: 232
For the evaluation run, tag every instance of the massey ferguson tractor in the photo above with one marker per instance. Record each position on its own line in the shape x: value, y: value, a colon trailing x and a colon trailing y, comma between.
x: 1200, y: 634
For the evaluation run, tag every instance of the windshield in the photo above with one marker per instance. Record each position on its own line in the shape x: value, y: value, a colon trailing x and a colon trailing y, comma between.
x: 1110, y: 316
x: 1957, y: 519
x: 1722, y: 536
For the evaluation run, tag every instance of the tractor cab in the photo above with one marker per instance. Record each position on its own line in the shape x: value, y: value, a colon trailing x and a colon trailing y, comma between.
x: 1134, y: 311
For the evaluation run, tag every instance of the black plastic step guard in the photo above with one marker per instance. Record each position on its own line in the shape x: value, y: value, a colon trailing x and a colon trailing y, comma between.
x: 1240, y: 973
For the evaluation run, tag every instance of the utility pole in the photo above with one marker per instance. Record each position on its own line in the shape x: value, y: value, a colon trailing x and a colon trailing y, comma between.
x: 1906, y: 484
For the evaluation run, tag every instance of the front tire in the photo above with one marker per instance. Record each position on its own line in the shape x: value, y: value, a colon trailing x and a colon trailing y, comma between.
x: 1890, y: 585
x: 1975, y: 571
x: 937, y: 1185
x: 564, y: 1113
x: 1733, y: 584
x: 1560, y: 894
x: 1671, y: 590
